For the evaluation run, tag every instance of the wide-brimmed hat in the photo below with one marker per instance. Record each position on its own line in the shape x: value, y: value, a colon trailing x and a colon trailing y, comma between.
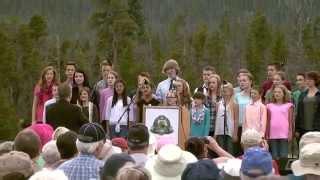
x: 308, y: 138
x: 309, y: 160
x: 169, y: 163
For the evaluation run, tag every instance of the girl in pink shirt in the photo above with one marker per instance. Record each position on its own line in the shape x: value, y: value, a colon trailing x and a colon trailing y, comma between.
x: 255, y: 114
x: 280, y: 113
x: 43, y: 92
x: 106, y: 93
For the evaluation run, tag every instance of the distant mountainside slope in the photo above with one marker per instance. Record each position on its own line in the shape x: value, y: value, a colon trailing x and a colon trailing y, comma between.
x: 69, y: 18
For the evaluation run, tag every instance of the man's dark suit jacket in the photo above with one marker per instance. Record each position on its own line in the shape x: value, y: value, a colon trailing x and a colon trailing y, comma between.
x: 62, y: 113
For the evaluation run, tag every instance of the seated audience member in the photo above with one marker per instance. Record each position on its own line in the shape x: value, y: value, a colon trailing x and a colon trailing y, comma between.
x: 108, y: 150
x: 134, y: 173
x: 58, y: 132
x: 66, y: 145
x: 49, y: 175
x: 307, y: 166
x: 113, y: 164
x: 252, y: 138
x: 44, y: 131
x: 169, y: 163
x: 197, y: 146
x: 121, y: 143
x: 89, y: 143
x: 50, y: 154
x: 256, y: 162
x: 63, y: 113
x: 201, y: 170
x: 29, y: 142
x: 138, y: 143
x: 16, y: 165
x: 6, y: 147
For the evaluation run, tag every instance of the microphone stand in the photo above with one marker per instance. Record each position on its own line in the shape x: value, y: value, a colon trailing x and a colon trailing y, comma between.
x: 127, y: 110
x: 224, y: 119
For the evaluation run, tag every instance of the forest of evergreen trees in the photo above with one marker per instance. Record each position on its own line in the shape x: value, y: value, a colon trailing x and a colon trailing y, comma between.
x: 139, y: 35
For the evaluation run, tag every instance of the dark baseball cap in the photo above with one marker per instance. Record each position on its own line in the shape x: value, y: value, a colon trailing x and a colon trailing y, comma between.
x: 91, y: 132
x: 201, y: 170
x: 138, y: 135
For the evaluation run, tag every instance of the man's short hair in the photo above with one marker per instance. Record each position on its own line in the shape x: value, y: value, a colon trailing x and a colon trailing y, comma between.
x: 144, y: 74
x: 277, y: 66
x: 105, y: 63
x: 209, y: 68
x: 301, y: 74
x: 138, y: 137
x: 71, y: 63
x: 29, y: 142
x: 66, y: 144
x: 64, y: 91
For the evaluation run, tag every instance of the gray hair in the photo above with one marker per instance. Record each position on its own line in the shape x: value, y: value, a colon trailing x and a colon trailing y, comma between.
x: 87, y: 147
x: 50, y: 153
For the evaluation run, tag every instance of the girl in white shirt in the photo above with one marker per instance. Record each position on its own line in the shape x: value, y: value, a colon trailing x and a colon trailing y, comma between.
x: 118, y: 114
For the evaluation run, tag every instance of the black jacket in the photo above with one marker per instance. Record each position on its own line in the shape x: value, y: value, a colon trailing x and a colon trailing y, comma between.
x: 300, y: 114
x: 65, y: 114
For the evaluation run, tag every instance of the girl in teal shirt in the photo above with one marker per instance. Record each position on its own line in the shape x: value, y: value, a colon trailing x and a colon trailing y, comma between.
x: 200, y: 118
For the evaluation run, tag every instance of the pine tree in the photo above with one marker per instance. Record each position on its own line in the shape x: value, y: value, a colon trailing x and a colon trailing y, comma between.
x: 258, y: 42
x: 279, y: 48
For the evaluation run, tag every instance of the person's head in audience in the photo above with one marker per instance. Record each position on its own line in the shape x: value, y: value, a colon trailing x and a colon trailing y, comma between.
x: 108, y: 150
x: 133, y: 173
x: 201, y: 170
x: 64, y: 92
x: 138, y: 139
x: 251, y: 138
x: 58, y: 131
x: 113, y: 164
x: 44, y: 131
x: 196, y: 146
x: 121, y: 143
x: 308, y: 164
x: 16, y: 165
x: 169, y: 163
x: 29, y: 142
x: 66, y: 144
x: 50, y: 154
x: 47, y: 174
x: 256, y: 162
x: 6, y: 147
x: 90, y: 139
